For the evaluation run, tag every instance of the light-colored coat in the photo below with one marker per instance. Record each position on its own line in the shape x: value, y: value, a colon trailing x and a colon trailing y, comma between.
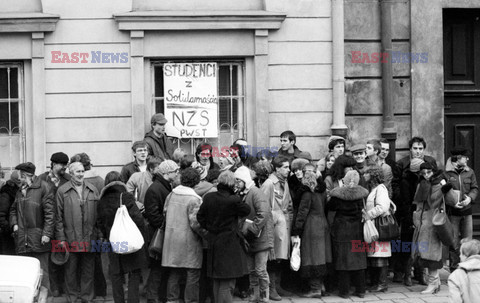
x: 282, y: 211
x: 182, y: 247
x: 378, y: 205
x: 139, y: 182
x: 464, y: 282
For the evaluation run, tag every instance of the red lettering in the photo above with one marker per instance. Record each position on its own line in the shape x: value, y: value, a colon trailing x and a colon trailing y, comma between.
x: 74, y: 247
x: 356, y: 57
x: 55, y: 56
x: 215, y: 152
x: 66, y: 58
x: 384, y: 57
x: 356, y: 245
x: 366, y: 58
x: 375, y: 57
x: 74, y: 57
x: 84, y: 56
x: 384, y: 246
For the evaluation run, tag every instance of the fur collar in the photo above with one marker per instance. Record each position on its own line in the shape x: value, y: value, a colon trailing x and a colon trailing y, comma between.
x: 349, y: 193
x: 185, y: 191
x: 109, y: 186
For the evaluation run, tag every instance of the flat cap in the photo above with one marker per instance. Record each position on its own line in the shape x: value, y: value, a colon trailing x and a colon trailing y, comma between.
x: 358, y: 148
x: 59, y: 157
x: 158, y: 118
x: 27, y: 167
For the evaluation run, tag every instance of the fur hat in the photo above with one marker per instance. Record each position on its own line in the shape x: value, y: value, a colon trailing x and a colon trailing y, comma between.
x: 351, y: 178
x: 459, y: 151
x: 298, y: 163
x: 415, y: 164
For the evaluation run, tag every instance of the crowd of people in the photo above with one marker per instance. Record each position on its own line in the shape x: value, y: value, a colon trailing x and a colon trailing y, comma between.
x: 230, y: 220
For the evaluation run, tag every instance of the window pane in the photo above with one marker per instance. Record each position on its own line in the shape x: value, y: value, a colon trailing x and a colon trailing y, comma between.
x: 159, y: 82
x: 224, y: 80
x: 5, y: 117
x: 159, y: 106
x: 235, y: 80
x: 13, y: 82
x: 224, y: 115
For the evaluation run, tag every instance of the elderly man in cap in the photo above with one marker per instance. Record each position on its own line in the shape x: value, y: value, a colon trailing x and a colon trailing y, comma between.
x: 75, y: 228
x: 464, y: 181
x: 56, y: 177
x: 32, y: 217
x: 159, y: 145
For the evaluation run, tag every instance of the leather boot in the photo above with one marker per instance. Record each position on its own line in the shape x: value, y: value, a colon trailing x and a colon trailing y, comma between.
x: 278, y: 284
x: 382, y: 280
x: 407, y: 278
x: 272, y: 287
x: 397, y: 277
x: 373, y: 273
x: 254, y: 294
x: 433, y: 283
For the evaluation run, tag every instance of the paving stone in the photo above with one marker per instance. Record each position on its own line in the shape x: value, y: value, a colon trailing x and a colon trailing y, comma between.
x: 435, y: 299
x: 335, y: 299
x: 409, y: 300
x: 368, y: 297
x: 443, y: 292
x: 389, y: 296
x: 401, y: 289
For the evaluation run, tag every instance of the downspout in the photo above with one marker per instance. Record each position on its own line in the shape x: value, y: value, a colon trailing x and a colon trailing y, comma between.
x: 339, y: 128
x: 388, y: 130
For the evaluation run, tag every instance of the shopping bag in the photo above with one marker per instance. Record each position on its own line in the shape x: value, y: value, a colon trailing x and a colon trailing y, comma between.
x: 125, y: 237
x: 295, y: 259
x: 370, y: 233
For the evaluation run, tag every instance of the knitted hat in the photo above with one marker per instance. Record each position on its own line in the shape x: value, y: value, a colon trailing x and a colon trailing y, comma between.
x: 351, y: 178
x: 59, y: 157
x: 27, y: 167
x: 415, y: 164
x: 298, y: 163
x: 243, y: 173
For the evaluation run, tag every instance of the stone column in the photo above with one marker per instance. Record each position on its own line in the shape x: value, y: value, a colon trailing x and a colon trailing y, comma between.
x: 137, y: 81
x: 38, y: 101
x: 338, y: 127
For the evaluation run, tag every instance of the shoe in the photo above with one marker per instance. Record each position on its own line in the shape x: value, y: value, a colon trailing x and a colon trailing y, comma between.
x: 274, y: 295
x: 431, y: 289
x: 379, y: 288
x: 397, y: 277
x: 382, y: 280
x: 359, y: 294
x: 317, y: 294
x: 407, y: 280
x: 345, y: 296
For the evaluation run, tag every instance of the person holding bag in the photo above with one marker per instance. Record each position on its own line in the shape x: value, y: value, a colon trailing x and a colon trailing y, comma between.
x: 429, y: 197
x: 377, y: 205
x: 114, y: 193
x: 347, y: 227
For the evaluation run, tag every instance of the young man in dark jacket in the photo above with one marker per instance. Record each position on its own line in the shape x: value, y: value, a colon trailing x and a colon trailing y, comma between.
x: 32, y: 218
x: 159, y: 144
x: 463, y: 179
x: 139, y: 164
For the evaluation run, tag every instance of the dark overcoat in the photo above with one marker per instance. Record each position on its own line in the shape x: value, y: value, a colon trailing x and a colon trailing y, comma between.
x: 106, y: 209
x: 347, y: 226
x: 219, y: 215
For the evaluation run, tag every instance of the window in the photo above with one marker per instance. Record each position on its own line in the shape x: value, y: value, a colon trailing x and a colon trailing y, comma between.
x: 12, y: 148
x: 231, y: 96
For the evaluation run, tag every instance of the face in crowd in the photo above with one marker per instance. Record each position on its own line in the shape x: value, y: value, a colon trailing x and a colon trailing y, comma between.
x: 285, y: 143
x: 385, y: 150
x: 338, y: 149
x: 359, y: 156
x: 330, y: 161
x: 205, y: 156
x: 284, y: 170
x: 77, y: 171
x: 141, y: 153
x: 417, y: 150
x: 370, y: 150
x: 158, y: 128
x: 59, y: 168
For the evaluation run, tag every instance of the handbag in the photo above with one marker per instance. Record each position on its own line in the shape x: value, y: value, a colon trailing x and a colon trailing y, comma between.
x: 387, y: 226
x: 442, y: 225
x: 156, y: 244
x: 370, y: 233
x: 125, y: 237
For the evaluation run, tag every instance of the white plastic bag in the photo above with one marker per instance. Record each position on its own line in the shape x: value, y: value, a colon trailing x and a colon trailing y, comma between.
x: 295, y: 260
x: 370, y: 233
x: 125, y: 237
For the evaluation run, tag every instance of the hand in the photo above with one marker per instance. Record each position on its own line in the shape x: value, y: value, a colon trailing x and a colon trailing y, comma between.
x: 15, y: 228
x: 459, y: 205
x: 295, y: 240
x: 466, y: 201
x: 45, y: 240
x: 365, y: 215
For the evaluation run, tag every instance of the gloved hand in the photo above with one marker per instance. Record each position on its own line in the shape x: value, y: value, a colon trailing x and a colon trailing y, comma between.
x: 447, y: 187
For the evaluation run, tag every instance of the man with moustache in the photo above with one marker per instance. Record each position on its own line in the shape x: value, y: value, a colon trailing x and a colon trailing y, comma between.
x: 32, y: 218
x: 76, y: 219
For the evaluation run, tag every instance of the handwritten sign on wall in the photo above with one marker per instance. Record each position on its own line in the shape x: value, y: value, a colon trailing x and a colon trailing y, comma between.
x: 191, y: 101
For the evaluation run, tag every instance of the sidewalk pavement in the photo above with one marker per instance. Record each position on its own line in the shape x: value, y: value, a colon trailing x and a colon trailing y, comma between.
x: 397, y: 293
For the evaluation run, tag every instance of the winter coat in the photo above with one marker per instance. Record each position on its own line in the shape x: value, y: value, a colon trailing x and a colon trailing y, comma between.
x: 347, y: 226
x: 282, y: 213
x: 202, y: 188
x: 74, y: 223
x: 128, y: 170
x: 261, y: 215
x: 182, y: 247
x: 34, y: 214
x: 107, y: 207
x: 219, y: 215
x: 312, y: 227
x: 63, y: 179
x: 466, y: 183
x: 464, y: 282
x: 290, y: 157
x: 7, y: 197
x: 93, y: 178
x: 139, y: 183
x: 378, y: 205
x: 159, y: 147
x: 154, y: 202
x: 428, y: 198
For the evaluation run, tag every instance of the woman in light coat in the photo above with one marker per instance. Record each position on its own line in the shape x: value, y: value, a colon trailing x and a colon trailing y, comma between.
x: 377, y: 205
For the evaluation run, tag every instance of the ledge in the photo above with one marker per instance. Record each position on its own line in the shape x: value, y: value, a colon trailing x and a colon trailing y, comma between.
x: 27, y: 22
x: 199, y: 20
